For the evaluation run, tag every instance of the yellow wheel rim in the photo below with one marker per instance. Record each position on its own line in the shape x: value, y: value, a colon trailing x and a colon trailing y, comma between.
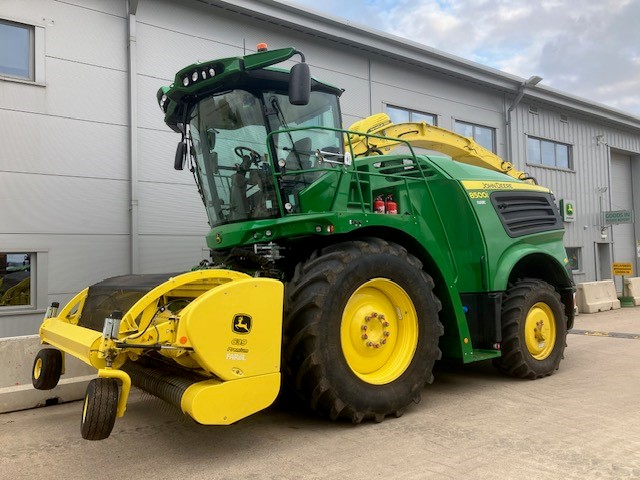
x: 37, y: 369
x: 379, y: 331
x: 540, y: 331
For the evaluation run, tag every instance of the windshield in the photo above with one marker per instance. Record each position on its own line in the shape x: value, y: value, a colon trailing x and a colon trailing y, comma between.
x: 298, y: 150
x: 229, y: 139
x: 232, y: 168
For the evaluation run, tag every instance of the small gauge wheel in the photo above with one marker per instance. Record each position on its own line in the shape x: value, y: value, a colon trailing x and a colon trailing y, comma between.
x: 47, y: 368
x: 99, y: 409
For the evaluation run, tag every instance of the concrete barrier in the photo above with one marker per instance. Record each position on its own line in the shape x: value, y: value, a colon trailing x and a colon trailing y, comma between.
x: 593, y: 297
x: 17, y: 392
x: 632, y: 289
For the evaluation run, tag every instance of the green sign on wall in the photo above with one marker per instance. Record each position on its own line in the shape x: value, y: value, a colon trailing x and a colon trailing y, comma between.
x: 568, y: 210
x: 618, y: 216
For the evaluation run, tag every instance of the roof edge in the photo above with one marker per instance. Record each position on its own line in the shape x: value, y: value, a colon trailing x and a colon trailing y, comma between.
x: 287, y: 14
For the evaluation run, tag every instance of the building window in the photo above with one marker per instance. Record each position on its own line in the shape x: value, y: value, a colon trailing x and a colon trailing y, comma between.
x: 548, y: 153
x: 574, y: 254
x: 485, y: 136
x: 15, y: 279
x: 22, y: 52
x: 404, y: 115
x: 17, y: 50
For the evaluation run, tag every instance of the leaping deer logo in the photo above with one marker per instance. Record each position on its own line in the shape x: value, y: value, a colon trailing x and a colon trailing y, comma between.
x: 242, y: 323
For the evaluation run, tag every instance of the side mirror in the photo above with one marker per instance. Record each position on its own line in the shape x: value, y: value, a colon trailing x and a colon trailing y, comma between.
x: 211, y: 138
x: 299, y: 84
x: 181, y: 151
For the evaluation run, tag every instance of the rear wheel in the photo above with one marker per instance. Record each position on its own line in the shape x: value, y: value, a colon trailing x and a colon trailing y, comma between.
x: 47, y: 368
x: 362, y: 330
x: 100, y: 408
x: 534, y: 330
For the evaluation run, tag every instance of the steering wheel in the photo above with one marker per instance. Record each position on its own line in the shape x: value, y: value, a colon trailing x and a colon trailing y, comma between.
x: 253, y: 155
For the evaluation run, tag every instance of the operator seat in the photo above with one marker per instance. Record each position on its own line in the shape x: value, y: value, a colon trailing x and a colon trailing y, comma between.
x: 238, y: 203
x: 299, y: 158
x: 257, y: 200
x: 301, y: 150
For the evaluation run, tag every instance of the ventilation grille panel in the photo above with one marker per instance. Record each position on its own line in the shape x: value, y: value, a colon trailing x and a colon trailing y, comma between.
x: 524, y: 213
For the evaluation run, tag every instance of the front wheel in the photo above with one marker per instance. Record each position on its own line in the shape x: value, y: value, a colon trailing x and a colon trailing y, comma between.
x: 100, y: 408
x: 534, y: 330
x: 362, y: 330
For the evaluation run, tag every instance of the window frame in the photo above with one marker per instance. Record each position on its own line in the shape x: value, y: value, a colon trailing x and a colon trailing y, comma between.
x: 578, y: 249
x: 478, y: 125
x: 36, y: 53
x: 411, y: 111
x: 39, y: 259
x: 570, y: 166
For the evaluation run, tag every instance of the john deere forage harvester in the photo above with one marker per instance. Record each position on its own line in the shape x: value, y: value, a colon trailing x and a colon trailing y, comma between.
x: 344, y: 264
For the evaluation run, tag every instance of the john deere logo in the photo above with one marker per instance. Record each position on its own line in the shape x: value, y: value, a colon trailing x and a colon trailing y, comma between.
x: 568, y: 209
x: 218, y: 238
x: 242, y: 323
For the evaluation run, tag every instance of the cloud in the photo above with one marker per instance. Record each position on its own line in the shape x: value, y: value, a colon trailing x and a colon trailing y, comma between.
x: 589, y: 48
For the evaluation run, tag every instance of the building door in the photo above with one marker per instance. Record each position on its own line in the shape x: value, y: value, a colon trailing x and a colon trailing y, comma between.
x: 603, y: 261
x: 622, y: 235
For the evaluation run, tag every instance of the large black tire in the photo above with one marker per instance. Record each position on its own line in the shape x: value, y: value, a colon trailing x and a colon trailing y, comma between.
x: 47, y: 368
x: 100, y: 408
x: 534, y: 330
x: 337, y: 366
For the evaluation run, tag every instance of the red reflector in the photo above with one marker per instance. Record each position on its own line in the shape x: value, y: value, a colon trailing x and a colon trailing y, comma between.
x: 183, y: 340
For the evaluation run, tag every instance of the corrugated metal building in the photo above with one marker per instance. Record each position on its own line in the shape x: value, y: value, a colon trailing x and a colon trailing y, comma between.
x: 87, y: 185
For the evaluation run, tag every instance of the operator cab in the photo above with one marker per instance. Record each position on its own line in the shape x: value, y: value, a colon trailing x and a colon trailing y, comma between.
x: 236, y: 133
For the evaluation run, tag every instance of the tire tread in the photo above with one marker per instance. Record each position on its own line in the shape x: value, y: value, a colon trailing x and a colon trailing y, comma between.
x: 305, y: 297
x: 102, y: 406
x: 515, y: 360
x: 51, y: 369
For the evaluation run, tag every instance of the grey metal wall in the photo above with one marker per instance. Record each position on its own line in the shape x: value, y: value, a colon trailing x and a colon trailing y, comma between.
x: 399, y: 84
x: 589, y: 183
x: 65, y: 161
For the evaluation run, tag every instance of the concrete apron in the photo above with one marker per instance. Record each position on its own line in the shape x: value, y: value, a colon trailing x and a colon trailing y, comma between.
x: 16, y: 390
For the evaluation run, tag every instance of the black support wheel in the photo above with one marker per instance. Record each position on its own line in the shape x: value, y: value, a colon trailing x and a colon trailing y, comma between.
x: 534, y: 330
x: 47, y: 368
x: 361, y: 330
x: 100, y: 408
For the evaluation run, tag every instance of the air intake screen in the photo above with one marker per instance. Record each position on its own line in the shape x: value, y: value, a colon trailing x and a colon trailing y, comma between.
x: 523, y: 213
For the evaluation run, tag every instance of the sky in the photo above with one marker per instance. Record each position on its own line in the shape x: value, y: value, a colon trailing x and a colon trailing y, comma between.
x: 587, y: 48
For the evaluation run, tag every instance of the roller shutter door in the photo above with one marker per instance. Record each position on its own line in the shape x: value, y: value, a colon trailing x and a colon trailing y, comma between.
x: 624, y: 243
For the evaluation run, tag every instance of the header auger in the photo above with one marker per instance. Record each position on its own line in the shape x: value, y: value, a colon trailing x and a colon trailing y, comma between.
x: 355, y: 257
